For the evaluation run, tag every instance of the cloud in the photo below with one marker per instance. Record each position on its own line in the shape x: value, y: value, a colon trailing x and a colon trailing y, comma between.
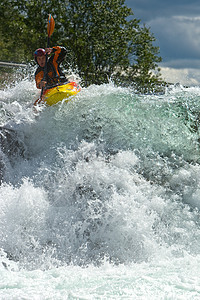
x: 184, y: 76
x: 182, y: 63
x: 176, y: 27
x: 147, y: 10
x: 178, y: 38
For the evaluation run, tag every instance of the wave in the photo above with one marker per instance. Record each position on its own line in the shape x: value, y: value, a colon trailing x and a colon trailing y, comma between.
x: 110, y: 175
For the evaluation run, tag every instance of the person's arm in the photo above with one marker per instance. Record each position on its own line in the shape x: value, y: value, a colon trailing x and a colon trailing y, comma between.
x: 59, y: 54
x: 38, y: 79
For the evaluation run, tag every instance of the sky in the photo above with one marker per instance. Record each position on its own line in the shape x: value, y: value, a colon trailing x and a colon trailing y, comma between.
x: 176, y: 26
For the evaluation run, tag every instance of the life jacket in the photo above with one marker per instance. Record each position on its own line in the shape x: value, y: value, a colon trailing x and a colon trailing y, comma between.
x: 54, y: 73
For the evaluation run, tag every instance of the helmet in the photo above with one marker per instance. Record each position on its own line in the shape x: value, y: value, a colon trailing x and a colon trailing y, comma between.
x: 39, y: 52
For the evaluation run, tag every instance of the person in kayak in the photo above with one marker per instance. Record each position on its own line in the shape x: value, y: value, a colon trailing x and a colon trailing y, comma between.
x: 54, y: 73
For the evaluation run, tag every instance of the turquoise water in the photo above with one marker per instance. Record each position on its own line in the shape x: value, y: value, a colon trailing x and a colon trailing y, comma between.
x: 100, y: 197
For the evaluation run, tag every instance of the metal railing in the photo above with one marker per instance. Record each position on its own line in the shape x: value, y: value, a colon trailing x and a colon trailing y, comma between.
x: 11, y: 64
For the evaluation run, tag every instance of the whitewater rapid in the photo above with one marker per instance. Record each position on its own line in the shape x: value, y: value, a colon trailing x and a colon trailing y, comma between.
x: 100, y: 196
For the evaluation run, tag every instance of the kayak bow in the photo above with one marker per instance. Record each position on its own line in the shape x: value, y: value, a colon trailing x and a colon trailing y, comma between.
x: 58, y: 93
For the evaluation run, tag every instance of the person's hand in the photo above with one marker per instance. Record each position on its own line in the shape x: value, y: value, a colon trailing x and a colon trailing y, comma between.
x: 48, y: 50
x: 42, y: 84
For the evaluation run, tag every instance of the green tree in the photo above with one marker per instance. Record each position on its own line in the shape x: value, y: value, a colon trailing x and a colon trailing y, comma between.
x: 24, y: 27
x: 103, y: 39
x: 143, y: 72
x: 11, y: 28
x: 96, y: 37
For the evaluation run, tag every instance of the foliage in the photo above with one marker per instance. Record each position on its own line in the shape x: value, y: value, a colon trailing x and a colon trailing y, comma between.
x: 10, y: 28
x: 101, y: 42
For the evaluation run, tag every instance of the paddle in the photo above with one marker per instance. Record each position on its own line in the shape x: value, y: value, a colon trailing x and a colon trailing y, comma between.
x: 50, y: 30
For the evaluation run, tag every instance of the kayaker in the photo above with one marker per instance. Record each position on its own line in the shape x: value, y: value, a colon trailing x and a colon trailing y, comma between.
x: 54, y: 73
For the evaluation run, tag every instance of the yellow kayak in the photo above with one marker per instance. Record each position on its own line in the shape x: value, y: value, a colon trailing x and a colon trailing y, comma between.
x: 58, y: 93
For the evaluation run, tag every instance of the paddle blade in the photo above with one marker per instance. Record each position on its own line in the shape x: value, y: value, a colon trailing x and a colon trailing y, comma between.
x: 50, y: 25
